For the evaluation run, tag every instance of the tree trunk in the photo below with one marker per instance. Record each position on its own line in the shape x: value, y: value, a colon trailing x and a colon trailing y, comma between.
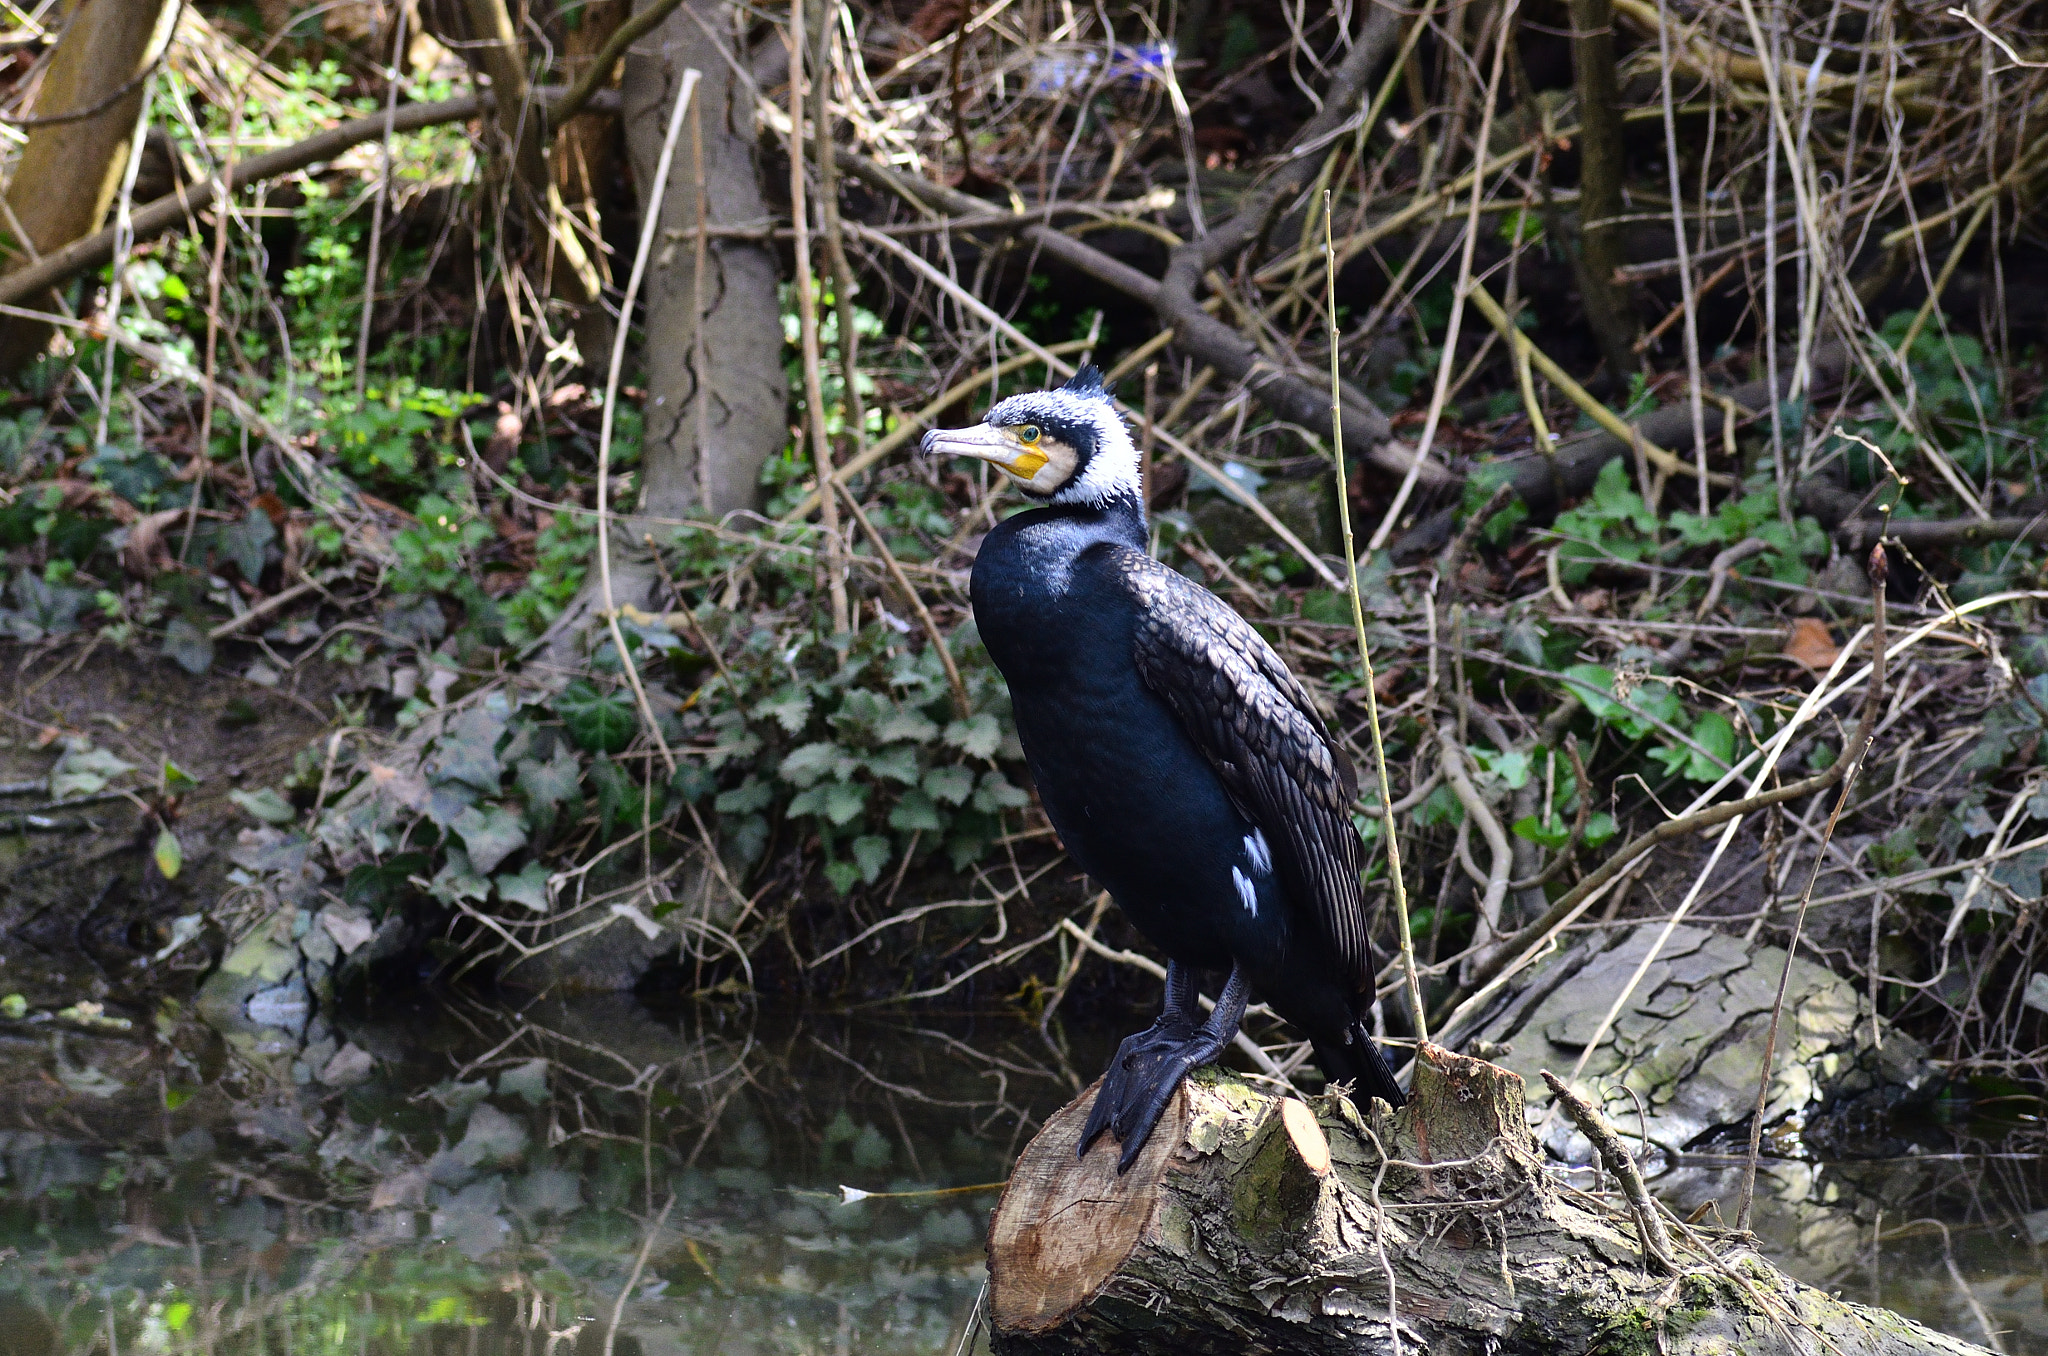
x: 1601, y: 173
x: 546, y: 232
x: 705, y: 441
x: 1253, y: 1223
x: 69, y: 172
x: 582, y: 162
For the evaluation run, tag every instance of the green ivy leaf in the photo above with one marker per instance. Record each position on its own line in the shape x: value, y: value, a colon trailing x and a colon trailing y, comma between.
x: 872, y: 852
x: 618, y: 796
x: 842, y: 876
x: 599, y: 722
x: 1600, y: 827
x: 1714, y: 733
x: 978, y: 736
x: 491, y: 833
x: 467, y: 749
x: 191, y: 647
x: 915, y: 811
x: 1550, y: 836
x: 1511, y: 767
x: 548, y: 786
x: 244, y: 543
x: 1595, y: 688
x: 527, y: 888
x: 952, y: 785
x: 1441, y: 806
x: 265, y: 805
x: 458, y: 880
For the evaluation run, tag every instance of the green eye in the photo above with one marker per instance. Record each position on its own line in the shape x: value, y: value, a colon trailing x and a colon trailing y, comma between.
x: 1028, y: 433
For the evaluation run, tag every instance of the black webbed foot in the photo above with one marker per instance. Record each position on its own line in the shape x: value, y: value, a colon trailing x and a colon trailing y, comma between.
x: 1149, y: 1066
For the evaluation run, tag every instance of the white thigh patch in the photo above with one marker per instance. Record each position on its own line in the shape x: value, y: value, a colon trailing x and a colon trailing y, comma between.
x: 1246, y: 891
x: 1261, y: 855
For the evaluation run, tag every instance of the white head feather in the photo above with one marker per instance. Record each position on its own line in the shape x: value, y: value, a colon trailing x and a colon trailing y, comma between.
x: 1082, y: 414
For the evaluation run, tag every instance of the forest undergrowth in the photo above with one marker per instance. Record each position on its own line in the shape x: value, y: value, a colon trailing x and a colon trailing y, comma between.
x: 1653, y: 320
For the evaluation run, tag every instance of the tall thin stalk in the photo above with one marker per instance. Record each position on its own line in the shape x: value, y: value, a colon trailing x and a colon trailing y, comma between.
x: 648, y: 229
x: 383, y: 194
x: 1853, y: 757
x: 807, y: 324
x: 1389, y: 828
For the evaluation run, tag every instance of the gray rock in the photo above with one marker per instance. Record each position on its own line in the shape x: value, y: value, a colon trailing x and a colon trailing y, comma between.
x: 1689, y: 1043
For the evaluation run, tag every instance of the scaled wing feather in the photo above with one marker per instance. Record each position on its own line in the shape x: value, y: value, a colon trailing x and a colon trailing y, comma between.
x: 1255, y: 724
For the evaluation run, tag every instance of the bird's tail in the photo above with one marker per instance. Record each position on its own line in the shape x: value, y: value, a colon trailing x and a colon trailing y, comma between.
x: 1359, y: 1061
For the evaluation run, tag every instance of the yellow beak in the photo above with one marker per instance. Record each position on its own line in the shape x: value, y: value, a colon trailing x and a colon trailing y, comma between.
x: 997, y: 446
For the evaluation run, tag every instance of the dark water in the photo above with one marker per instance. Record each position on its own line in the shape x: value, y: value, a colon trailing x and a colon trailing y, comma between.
x: 472, y: 1179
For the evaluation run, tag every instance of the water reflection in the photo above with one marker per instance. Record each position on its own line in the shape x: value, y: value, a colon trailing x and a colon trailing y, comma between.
x: 487, y: 1182
x: 1958, y: 1241
x: 584, y: 1175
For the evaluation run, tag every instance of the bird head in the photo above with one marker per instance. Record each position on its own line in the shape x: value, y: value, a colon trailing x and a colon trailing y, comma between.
x: 1066, y: 446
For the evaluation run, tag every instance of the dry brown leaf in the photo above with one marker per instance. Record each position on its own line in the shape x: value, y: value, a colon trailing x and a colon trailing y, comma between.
x: 1810, y: 644
x: 405, y: 1189
x: 146, y: 553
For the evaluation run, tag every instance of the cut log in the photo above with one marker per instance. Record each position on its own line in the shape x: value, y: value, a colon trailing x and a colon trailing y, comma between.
x: 1256, y: 1223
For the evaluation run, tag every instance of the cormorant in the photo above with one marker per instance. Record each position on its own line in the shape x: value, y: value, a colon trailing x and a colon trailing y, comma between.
x: 1182, y: 764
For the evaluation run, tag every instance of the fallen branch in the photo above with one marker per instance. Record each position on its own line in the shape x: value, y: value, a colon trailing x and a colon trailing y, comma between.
x: 1843, y: 514
x: 1607, y: 419
x: 1253, y: 1222
x: 1614, y: 1155
x: 1579, y: 459
x: 1196, y: 332
x: 180, y: 208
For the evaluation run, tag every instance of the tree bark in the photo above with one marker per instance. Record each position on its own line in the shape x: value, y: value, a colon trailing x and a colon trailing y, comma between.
x: 706, y: 435
x: 581, y: 162
x: 1601, y: 167
x: 69, y: 172
x: 1253, y: 1223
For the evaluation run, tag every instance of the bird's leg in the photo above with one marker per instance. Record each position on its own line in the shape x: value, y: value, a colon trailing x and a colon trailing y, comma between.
x: 1180, y: 1017
x: 1150, y: 1065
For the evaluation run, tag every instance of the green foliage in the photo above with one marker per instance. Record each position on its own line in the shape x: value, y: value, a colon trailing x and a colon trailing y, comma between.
x: 1520, y: 227
x: 1479, y: 488
x: 379, y: 441
x: 561, y: 560
x: 600, y: 722
x: 1756, y: 515
x: 1612, y: 524
x: 433, y: 557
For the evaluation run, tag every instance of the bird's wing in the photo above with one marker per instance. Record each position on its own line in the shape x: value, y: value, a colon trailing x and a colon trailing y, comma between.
x: 1257, y: 727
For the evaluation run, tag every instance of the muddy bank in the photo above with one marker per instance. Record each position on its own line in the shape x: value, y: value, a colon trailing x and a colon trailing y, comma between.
x: 88, y: 734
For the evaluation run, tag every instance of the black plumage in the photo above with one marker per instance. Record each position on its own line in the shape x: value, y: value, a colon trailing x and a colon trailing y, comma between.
x: 1183, y: 766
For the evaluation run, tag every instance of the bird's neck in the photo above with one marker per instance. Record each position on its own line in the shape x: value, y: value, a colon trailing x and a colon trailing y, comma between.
x: 1120, y: 517
x: 1033, y: 554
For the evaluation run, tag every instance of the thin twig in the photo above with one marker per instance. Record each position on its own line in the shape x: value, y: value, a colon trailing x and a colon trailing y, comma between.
x: 1615, y: 1157
x: 648, y: 230
x: 1851, y: 759
x: 1390, y: 830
